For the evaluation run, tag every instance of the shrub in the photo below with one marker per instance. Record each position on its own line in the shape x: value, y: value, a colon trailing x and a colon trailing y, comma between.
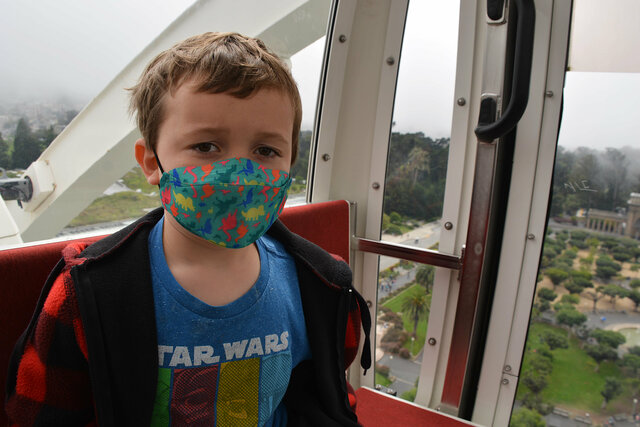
x: 554, y: 339
x: 547, y: 294
x: 570, y: 299
x: 382, y: 369
x: 394, y: 230
x: 580, y: 244
x: 405, y: 353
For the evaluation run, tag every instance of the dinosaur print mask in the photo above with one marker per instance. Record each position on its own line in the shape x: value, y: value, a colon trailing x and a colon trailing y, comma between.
x: 230, y: 203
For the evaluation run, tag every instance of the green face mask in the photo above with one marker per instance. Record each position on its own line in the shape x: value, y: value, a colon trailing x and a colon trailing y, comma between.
x: 230, y: 203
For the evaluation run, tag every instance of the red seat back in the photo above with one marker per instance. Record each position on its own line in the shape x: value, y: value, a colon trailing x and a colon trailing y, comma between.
x: 24, y: 270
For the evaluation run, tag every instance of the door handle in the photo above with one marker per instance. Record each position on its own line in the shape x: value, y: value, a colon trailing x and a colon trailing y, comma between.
x: 523, y: 54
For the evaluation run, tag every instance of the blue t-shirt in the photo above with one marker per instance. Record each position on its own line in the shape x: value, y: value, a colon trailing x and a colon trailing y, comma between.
x: 227, y: 365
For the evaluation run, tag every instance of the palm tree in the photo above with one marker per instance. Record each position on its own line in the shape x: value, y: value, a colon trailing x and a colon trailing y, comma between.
x: 417, y: 306
x: 424, y: 276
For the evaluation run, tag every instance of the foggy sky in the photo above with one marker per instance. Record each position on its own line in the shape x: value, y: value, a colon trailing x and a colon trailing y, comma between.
x: 73, y: 48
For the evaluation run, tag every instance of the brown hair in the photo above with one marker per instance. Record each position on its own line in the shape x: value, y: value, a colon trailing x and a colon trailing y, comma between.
x: 218, y: 63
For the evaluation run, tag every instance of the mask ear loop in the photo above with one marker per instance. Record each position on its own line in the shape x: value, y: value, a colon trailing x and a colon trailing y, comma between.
x: 158, y: 160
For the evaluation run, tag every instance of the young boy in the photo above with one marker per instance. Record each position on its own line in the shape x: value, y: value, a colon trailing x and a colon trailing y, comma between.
x: 209, y: 311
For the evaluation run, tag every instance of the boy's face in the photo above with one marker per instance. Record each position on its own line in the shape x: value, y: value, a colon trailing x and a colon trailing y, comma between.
x: 200, y: 128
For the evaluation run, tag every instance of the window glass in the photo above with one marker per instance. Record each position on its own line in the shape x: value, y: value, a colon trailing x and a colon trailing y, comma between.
x: 305, y: 67
x: 404, y: 303
x: 582, y: 356
x: 414, y: 187
x: 82, y: 49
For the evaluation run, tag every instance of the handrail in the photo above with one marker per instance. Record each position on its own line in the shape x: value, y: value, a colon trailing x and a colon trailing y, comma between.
x: 521, y: 75
x: 410, y: 253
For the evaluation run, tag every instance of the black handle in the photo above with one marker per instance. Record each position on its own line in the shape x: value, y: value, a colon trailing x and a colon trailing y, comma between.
x: 525, y: 22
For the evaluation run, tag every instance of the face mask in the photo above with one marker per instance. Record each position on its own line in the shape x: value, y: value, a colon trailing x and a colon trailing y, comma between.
x: 231, y: 202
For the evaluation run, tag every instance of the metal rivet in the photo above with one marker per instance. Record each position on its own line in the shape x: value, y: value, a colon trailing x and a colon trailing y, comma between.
x: 391, y: 60
x: 505, y: 381
x: 342, y: 38
x: 375, y: 186
x: 477, y: 248
x: 461, y: 101
x: 326, y: 157
x: 448, y: 225
x: 507, y: 368
x: 369, y: 303
x: 549, y: 94
x: 531, y: 236
x: 431, y: 341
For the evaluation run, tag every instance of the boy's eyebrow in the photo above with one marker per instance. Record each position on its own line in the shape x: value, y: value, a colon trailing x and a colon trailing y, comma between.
x: 274, y: 136
x: 208, y: 130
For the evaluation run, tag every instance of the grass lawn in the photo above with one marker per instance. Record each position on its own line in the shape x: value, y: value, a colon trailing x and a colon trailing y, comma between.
x: 123, y: 205
x: 382, y: 380
x: 135, y: 179
x: 574, y: 381
x: 395, y: 304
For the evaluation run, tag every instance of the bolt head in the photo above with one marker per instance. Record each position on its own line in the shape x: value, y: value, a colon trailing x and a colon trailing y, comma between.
x: 461, y: 101
x: 448, y: 225
x: 391, y: 60
x: 342, y: 38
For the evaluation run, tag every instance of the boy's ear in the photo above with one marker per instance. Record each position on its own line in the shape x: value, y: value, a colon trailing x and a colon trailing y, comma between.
x: 147, y: 161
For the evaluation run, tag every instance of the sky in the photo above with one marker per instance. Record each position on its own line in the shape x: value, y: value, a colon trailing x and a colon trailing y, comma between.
x: 73, y: 48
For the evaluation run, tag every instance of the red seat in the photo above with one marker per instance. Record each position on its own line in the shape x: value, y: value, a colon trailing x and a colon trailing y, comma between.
x: 24, y: 270
x: 380, y: 409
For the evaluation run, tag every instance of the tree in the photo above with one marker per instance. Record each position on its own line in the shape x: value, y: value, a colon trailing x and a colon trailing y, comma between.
x: 534, y: 381
x: 416, y: 306
x: 25, y: 147
x: 525, y: 417
x: 44, y: 137
x: 595, y: 296
x: 554, y: 339
x: 606, y: 267
x: 615, y: 178
x: 634, y: 296
x: 424, y: 276
x: 600, y: 352
x: 545, y: 296
x: 556, y: 275
x: 573, y: 287
x: 570, y: 299
x: 612, y: 339
x: 570, y: 317
x: 612, y: 388
x: 622, y: 254
x: 614, y: 292
x: 5, y: 159
x: 631, y: 362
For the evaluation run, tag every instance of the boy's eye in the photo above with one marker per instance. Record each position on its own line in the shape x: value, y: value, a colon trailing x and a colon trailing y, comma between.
x: 205, y: 147
x: 267, y: 152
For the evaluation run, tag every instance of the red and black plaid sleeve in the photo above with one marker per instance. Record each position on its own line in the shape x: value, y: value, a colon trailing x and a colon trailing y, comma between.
x: 52, y: 382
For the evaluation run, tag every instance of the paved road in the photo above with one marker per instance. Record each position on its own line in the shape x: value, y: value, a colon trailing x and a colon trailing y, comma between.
x: 422, y: 237
x: 405, y: 372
